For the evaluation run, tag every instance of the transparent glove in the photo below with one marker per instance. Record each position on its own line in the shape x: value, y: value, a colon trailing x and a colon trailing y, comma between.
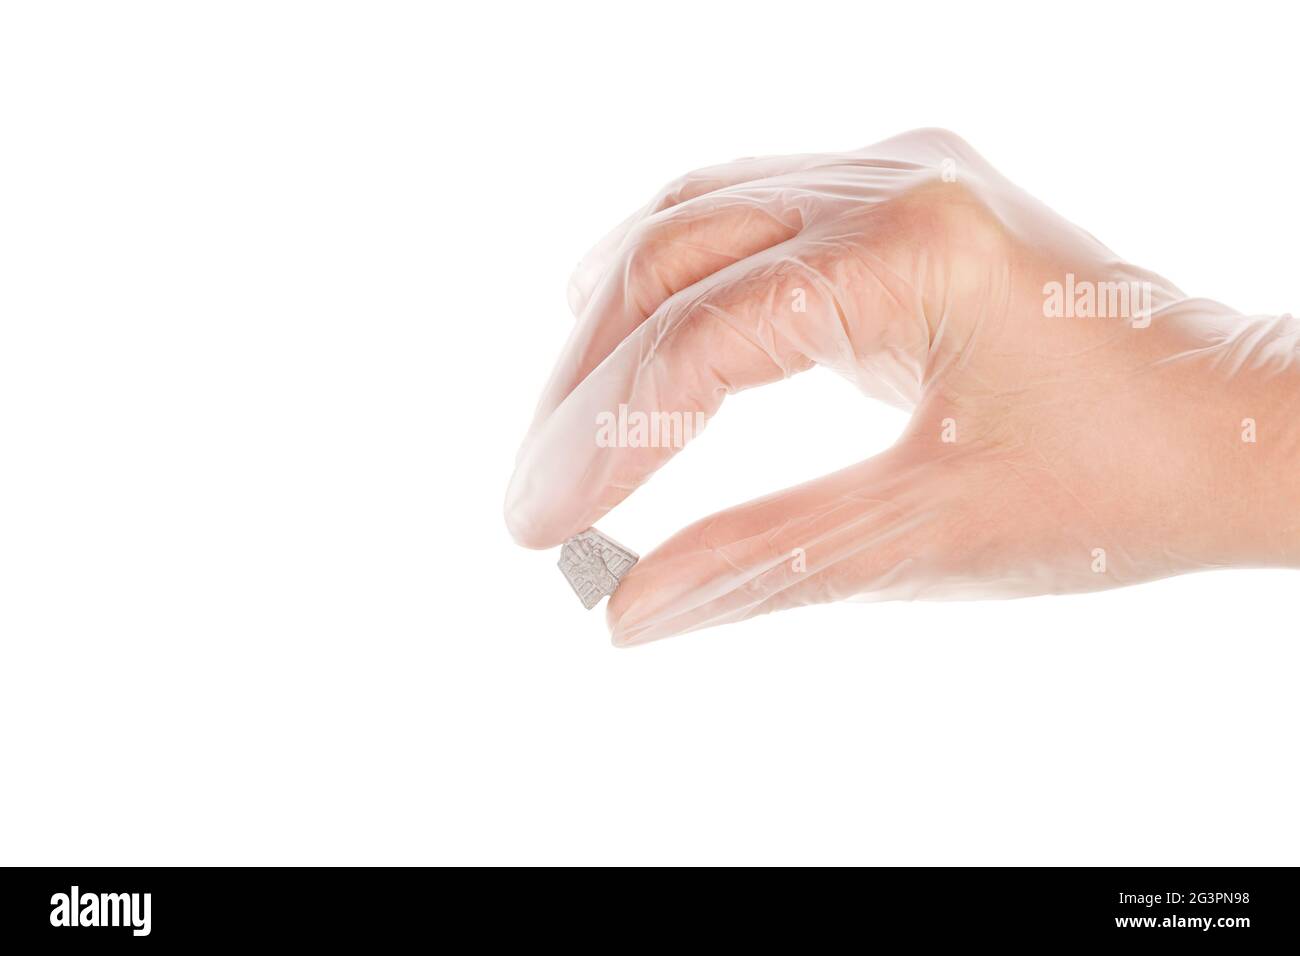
x: 1077, y: 422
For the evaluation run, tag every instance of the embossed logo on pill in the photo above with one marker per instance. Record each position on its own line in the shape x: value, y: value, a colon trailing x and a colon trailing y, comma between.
x: 593, y: 564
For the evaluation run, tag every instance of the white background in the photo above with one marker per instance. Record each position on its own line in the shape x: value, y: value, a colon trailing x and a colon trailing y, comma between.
x: 279, y: 284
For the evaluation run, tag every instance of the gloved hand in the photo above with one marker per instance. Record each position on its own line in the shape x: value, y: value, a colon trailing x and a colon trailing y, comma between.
x: 1077, y: 422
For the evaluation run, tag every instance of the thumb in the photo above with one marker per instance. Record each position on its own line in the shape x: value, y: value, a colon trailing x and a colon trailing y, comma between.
x: 881, y: 527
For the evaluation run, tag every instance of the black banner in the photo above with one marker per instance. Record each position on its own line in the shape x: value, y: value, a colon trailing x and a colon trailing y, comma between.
x: 98, y: 908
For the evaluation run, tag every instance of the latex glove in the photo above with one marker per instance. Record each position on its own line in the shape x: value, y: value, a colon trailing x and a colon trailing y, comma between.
x: 1044, y: 454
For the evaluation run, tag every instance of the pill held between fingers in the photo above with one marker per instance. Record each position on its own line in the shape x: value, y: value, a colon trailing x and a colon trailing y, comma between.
x: 593, y: 564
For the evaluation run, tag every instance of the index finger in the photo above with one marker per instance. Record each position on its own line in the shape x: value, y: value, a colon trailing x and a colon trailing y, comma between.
x: 657, y: 390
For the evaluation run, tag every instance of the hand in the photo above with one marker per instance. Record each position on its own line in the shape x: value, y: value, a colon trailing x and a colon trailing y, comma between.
x: 1077, y: 422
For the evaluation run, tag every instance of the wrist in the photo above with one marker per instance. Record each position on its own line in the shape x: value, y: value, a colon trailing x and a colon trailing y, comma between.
x: 1261, y: 361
